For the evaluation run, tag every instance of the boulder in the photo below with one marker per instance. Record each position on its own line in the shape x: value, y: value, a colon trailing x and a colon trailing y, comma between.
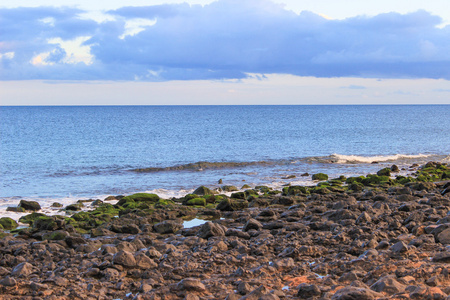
x: 8, y: 223
x: 124, y: 258
x: 320, y: 176
x: 202, y: 191
x: 30, y: 205
x: 210, y: 229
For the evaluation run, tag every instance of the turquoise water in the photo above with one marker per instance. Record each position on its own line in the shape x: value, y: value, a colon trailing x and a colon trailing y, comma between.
x: 80, y: 152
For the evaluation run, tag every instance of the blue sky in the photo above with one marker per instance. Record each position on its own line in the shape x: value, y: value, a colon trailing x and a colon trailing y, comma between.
x: 224, y: 52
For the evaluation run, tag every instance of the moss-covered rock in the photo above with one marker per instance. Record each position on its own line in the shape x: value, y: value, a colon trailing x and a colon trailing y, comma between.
x: 372, y: 179
x: 30, y: 205
x: 202, y: 191
x: 29, y: 219
x: 239, y: 195
x: 295, y: 190
x: 229, y: 188
x: 8, y: 223
x: 232, y: 205
x: 57, y: 235
x: 196, y: 202
x: 141, y: 197
x: 15, y: 209
x: 356, y: 186
x: 49, y: 223
x: 384, y: 172
x: 74, y: 207
x: 320, y: 176
x: 263, y: 189
x: 351, y: 180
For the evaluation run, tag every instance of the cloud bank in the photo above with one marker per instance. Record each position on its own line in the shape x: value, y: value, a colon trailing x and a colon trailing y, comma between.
x: 227, y: 39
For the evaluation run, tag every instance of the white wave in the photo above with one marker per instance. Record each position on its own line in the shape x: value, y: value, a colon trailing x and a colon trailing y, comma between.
x: 343, y: 159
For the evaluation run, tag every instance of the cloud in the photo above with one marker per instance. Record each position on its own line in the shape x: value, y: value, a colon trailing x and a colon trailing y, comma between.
x: 354, y: 87
x: 227, y: 39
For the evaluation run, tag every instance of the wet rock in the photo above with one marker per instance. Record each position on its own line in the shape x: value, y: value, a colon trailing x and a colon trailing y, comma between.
x: 30, y: 205
x: 16, y: 209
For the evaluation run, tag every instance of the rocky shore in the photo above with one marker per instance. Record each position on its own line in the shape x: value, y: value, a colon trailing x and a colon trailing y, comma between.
x: 382, y: 236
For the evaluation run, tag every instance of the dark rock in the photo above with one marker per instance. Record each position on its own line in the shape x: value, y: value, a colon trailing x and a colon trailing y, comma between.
x: 388, y: 285
x: 8, y: 281
x: 168, y: 226
x: 229, y: 188
x: 252, y: 224
x: 210, y: 229
x: 22, y: 269
x: 232, y: 205
x: 202, y: 191
x: 16, y: 209
x: 399, y: 247
x: 443, y: 257
x: 30, y: 205
x: 444, y: 236
x: 306, y: 290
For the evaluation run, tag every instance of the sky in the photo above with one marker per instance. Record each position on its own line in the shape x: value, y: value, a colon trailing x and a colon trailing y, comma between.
x: 167, y: 52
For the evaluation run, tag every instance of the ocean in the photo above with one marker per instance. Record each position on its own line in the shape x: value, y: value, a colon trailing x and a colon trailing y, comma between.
x: 63, y: 154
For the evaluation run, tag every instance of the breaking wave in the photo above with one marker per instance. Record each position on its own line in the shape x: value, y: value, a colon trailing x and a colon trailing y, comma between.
x: 355, y: 159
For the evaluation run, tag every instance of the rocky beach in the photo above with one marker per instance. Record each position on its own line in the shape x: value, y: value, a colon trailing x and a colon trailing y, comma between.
x: 379, y: 236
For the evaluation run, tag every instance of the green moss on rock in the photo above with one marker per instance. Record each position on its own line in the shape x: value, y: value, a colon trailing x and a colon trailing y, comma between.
x: 29, y: 219
x: 196, y: 202
x: 384, y: 172
x: 320, y: 176
x: 8, y: 223
x: 141, y: 197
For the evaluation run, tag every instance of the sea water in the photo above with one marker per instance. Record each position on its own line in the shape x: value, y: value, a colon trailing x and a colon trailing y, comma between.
x: 62, y: 154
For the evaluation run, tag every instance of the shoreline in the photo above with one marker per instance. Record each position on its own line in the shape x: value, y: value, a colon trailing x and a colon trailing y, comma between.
x: 372, y: 237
